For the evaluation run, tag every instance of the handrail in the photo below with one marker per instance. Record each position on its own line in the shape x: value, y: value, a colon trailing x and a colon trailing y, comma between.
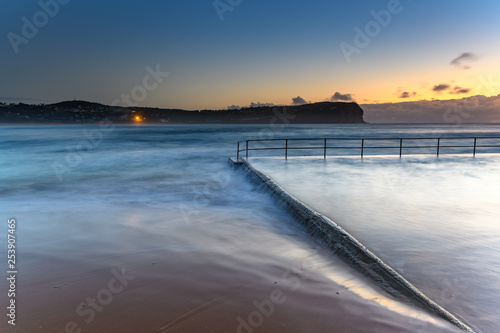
x: 363, y: 146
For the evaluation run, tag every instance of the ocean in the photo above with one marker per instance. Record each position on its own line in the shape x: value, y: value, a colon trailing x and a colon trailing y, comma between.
x: 207, y: 250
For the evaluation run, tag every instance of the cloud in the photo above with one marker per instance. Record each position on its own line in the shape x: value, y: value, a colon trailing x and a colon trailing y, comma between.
x: 341, y: 97
x: 473, y: 109
x: 459, y: 90
x: 440, y: 87
x: 407, y: 94
x: 298, y: 101
x: 456, y: 90
x: 252, y: 105
x: 259, y: 104
x: 463, y: 60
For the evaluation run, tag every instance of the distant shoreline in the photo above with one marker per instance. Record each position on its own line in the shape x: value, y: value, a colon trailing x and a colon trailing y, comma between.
x: 87, y: 113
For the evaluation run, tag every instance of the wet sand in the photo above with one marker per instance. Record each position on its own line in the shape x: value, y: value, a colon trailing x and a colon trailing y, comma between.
x: 149, y: 274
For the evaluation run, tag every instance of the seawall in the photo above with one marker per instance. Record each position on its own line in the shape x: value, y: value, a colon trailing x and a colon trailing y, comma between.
x: 346, y: 246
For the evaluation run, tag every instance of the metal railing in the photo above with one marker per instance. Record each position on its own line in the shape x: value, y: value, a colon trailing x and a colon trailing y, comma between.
x: 402, y: 144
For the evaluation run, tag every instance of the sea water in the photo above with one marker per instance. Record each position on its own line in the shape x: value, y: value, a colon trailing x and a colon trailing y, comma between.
x: 436, y: 220
x: 203, y: 244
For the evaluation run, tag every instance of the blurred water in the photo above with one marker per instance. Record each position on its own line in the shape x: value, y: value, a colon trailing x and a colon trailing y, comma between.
x: 88, y: 197
x: 435, y: 220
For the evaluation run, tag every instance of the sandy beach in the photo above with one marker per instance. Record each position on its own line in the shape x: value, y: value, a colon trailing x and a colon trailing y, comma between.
x: 258, y: 282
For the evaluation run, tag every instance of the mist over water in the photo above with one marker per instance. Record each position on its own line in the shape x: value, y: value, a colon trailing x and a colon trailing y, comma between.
x: 204, y: 243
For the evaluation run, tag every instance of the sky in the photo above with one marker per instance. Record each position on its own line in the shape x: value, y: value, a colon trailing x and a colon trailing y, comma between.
x: 195, y: 54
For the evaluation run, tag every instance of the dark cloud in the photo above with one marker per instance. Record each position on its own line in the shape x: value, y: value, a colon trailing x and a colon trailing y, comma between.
x: 252, y: 105
x: 463, y: 60
x: 298, y: 100
x: 474, y: 109
x: 341, y: 97
x: 459, y: 90
x: 258, y: 104
x: 440, y: 87
x: 407, y: 94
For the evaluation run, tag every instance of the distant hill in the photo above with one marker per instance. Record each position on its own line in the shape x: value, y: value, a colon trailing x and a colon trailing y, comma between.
x: 76, y: 104
x: 84, y: 112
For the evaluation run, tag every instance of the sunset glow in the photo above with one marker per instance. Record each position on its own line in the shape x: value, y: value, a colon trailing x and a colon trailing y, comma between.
x: 195, y: 56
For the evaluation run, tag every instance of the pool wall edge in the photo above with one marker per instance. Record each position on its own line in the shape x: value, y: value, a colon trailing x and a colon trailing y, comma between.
x: 345, y: 245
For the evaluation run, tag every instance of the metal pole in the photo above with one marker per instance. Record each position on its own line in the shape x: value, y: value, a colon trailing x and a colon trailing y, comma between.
x: 324, y: 153
x: 475, y: 144
x: 247, y: 151
x: 439, y: 140
x: 286, y: 149
x: 400, y: 147
x: 362, y: 147
x: 238, y: 152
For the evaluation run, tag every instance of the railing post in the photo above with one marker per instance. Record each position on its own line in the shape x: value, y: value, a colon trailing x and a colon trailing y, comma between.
x: 362, y: 147
x: 324, y: 152
x: 247, y: 150
x: 238, y: 152
x: 286, y: 149
x: 439, y: 140
x: 475, y: 144
x: 400, y: 147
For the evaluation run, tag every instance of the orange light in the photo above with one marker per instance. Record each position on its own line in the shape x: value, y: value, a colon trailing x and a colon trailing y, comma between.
x: 138, y: 118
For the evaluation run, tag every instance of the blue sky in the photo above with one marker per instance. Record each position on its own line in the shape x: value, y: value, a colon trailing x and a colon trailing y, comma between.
x: 263, y: 51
